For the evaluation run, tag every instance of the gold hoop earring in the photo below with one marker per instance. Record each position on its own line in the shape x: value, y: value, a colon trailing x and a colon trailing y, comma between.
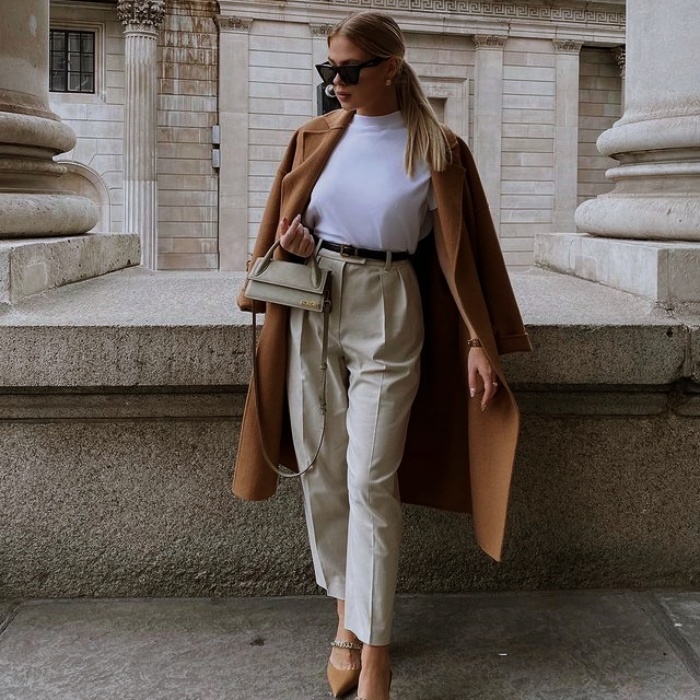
x: 388, y: 82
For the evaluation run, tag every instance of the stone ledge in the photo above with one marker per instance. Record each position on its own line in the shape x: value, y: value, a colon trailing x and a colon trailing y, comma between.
x: 139, y: 328
x: 227, y: 403
x: 35, y: 265
x: 45, y: 404
x: 664, y: 272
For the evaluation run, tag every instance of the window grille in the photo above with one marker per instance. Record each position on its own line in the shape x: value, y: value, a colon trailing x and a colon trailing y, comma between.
x: 72, y: 61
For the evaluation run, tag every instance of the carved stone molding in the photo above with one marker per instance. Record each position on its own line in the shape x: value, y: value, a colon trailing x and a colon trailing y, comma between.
x: 233, y: 24
x: 495, y: 9
x: 491, y: 41
x: 567, y: 46
x: 321, y: 30
x: 141, y: 13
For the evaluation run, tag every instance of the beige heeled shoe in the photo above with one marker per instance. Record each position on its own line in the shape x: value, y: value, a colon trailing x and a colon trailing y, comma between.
x: 343, y: 680
x: 391, y: 675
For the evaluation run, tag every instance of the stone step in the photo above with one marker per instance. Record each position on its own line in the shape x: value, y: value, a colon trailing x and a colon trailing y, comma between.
x: 566, y: 645
x: 34, y: 265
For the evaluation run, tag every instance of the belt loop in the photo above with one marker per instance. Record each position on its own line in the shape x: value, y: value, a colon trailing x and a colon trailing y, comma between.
x: 388, y: 260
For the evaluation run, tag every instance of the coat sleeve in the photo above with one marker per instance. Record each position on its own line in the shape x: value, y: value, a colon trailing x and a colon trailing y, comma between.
x: 506, y: 321
x: 270, y: 221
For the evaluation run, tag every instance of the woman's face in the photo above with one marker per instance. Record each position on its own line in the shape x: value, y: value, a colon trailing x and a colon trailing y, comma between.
x: 371, y: 97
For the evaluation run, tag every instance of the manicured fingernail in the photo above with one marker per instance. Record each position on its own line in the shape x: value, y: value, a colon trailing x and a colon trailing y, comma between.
x: 472, y: 391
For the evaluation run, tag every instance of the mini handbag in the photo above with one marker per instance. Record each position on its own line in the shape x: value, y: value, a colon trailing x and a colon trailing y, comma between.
x: 297, y: 285
x: 301, y: 286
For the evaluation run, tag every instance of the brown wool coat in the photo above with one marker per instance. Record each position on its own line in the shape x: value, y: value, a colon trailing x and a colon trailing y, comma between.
x: 457, y: 457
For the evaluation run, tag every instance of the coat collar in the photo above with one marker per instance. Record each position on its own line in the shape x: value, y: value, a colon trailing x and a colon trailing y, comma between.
x: 315, y: 143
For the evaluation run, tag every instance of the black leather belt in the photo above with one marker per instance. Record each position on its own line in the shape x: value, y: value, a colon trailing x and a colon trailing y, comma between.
x: 351, y: 251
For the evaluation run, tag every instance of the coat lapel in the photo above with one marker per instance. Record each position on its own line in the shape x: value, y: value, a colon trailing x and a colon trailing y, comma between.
x: 447, y: 186
x: 315, y: 149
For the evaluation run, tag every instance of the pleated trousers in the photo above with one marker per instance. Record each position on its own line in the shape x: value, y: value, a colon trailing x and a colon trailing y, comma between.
x: 351, y: 497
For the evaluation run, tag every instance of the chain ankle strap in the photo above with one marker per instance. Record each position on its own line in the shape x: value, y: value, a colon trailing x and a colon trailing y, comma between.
x: 354, y: 646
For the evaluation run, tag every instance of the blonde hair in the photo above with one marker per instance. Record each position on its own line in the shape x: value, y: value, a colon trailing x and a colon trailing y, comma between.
x: 379, y: 35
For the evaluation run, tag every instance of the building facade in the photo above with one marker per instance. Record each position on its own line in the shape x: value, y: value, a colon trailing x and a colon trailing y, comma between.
x: 529, y: 85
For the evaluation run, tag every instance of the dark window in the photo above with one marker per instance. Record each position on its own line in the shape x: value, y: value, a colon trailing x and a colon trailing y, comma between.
x: 72, y: 61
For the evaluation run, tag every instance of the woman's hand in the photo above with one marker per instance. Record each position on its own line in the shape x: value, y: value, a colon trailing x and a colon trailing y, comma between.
x: 295, y: 237
x: 481, y: 376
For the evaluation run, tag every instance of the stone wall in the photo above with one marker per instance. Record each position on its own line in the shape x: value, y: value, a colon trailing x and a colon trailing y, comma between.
x: 188, y: 220
x: 120, y: 405
x: 281, y: 99
x: 600, y: 106
x: 527, y: 174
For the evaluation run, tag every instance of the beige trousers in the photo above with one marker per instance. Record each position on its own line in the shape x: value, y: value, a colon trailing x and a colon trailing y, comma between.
x: 351, y: 497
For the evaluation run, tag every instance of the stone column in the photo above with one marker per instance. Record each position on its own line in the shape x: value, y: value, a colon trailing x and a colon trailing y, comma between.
x: 488, y: 117
x: 657, y: 141
x: 566, y: 134
x: 141, y: 19
x: 647, y: 229
x: 31, y: 204
x: 233, y: 119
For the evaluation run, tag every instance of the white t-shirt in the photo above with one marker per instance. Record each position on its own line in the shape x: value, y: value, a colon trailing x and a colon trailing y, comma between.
x: 364, y: 195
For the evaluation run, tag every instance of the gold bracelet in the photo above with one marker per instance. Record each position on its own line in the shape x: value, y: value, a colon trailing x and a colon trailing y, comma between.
x: 474, y: 343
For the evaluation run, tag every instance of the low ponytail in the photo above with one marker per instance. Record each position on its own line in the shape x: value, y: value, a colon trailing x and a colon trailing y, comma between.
x: 426, y: 138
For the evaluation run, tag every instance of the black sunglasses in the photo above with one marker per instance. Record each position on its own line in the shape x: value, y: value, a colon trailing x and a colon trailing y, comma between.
x: 349, y: 73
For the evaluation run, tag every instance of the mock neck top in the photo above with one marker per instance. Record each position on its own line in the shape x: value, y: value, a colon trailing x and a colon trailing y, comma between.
x: 364, y: 196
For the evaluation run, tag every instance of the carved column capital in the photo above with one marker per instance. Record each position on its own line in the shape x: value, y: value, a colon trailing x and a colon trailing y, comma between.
x: 491, y: 41
x: 233, y: 24
x: 620, y: 55
x: 137, y: 14
x: 567, y: 45
x: 320, y: 30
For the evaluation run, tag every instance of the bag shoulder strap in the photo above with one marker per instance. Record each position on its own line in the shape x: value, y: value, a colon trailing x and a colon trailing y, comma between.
x: 280, y: 469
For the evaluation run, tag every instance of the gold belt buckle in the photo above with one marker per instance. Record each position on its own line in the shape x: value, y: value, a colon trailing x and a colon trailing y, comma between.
x: 347, y: 251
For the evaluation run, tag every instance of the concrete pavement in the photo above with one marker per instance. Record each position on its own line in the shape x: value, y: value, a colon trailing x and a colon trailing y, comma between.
x: 587, y: 645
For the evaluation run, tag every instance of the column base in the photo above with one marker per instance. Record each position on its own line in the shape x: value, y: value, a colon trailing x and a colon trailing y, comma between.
x: 32, y: 266
x: 665, y: 272
x: 25, y: 215
x: 641, y: 217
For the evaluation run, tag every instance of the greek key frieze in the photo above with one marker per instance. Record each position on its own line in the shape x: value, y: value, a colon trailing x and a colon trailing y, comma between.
x: 504, y: 10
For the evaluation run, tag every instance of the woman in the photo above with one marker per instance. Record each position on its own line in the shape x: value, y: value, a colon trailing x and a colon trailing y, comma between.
x: 416, y: 393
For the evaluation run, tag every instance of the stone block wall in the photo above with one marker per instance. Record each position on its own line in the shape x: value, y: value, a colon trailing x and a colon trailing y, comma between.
x: 281, y: 79
x: 527, y: 173
x: 187, y: 109
x: 600, y: 106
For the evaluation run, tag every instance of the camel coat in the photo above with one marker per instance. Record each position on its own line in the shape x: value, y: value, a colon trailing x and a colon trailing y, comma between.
x: 457, y: 457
